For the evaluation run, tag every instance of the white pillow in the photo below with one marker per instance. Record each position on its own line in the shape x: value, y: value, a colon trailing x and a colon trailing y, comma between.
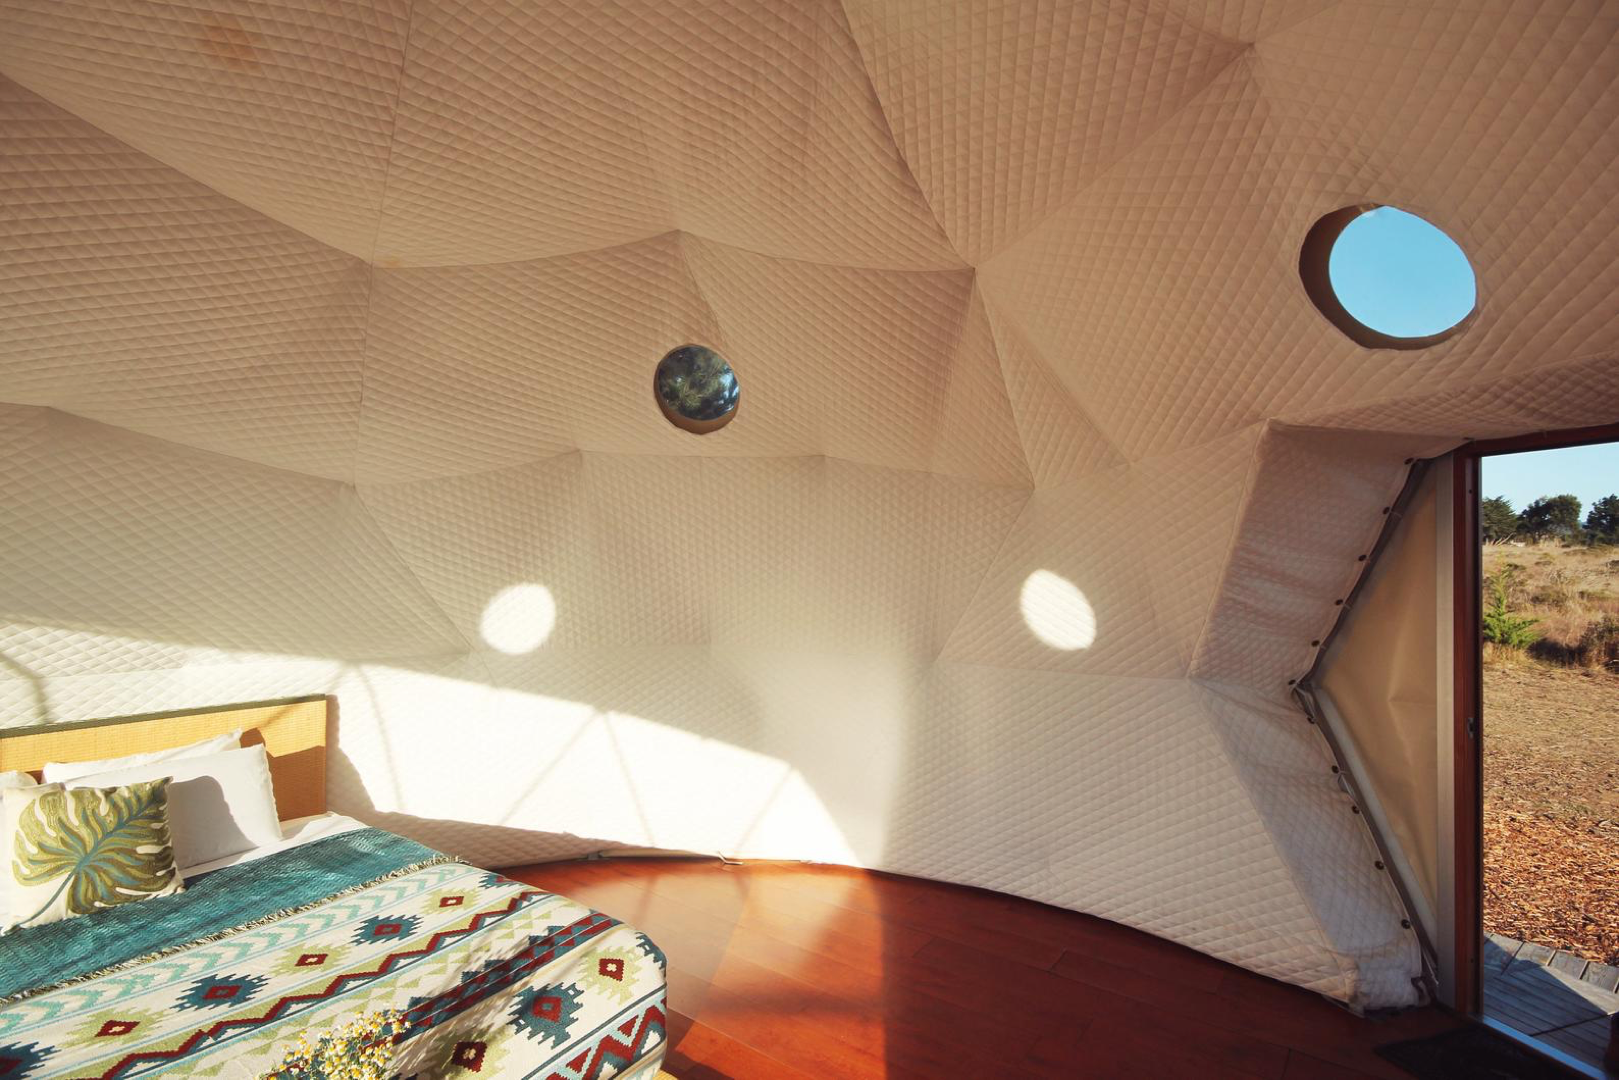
x: 57, y: 772
x: 219, y: 805
x: 9, y: 780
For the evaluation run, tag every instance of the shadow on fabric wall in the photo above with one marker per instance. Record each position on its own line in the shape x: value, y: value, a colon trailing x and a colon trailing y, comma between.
x: 41, y: 705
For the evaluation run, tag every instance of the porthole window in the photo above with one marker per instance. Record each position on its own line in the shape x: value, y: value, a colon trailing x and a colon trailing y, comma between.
x: 1386, y: 278
x: 696, y: 389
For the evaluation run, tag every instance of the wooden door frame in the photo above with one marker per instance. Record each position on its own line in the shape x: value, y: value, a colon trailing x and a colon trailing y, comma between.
x: 1468, y: 694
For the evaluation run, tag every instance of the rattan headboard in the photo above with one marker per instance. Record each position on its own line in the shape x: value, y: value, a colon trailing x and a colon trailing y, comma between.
x: 293, y: 733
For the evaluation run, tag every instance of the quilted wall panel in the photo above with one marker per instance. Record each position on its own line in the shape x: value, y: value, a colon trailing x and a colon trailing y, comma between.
x: 748, y: 124
x: 284, y: 107
x: 136, y: 295
x: 114, y: 532
x: 325, y: 339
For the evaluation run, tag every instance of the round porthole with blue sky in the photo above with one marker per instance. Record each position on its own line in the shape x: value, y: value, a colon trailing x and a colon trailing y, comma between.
x: 1387, y: 278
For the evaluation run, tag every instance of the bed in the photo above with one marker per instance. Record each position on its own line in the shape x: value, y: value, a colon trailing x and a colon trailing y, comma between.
x: 491, y: 977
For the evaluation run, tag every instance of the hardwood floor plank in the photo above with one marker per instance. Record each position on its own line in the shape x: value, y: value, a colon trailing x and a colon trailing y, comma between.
x: 1309, y: 1023
x: 960, y: 915
x: 803, y: 971
x: 790, y: 1036
x: 1304, y: 1067
x: 699, y: 1052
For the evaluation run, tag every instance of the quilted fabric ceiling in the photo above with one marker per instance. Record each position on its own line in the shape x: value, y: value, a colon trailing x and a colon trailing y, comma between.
x: 327, y: 330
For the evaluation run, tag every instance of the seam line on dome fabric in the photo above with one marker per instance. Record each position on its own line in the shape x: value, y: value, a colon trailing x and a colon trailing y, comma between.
x: 393, y: 550
x: 983, y: 301
x: 1349, y: 970
x: 691, y: 276
x: 1061, y: 673
x: 988, y: 567
x: 544, y: 459
x: 1023, y: 488
x: 1250, y: 476
x: 1288, y: 24
x: 185, y: 445
x: 388, y: 158
x: 1102, y: 174
x: 960, y: 267
x: 888, y: 129
x: 365, y: 362
x: 132, y: 148
x: 1321, y: 417
x: 814, y: 456
x: 999, y: 319
x: 628, y: 777
x: 954, y: 358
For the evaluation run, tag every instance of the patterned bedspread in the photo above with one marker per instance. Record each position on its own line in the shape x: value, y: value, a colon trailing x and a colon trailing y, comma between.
x: 496, y: 978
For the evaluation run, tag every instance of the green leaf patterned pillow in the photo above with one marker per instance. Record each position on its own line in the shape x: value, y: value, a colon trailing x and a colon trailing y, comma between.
x: 70, y: 853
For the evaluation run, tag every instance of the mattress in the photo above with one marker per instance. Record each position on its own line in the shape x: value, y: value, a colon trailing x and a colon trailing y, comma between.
x: 490, y: 976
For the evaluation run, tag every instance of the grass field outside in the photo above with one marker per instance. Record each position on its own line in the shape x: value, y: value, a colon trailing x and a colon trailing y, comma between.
x: 1552, y: 849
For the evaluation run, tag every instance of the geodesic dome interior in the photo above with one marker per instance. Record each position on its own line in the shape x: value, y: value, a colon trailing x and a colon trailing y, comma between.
x: 327, y: 335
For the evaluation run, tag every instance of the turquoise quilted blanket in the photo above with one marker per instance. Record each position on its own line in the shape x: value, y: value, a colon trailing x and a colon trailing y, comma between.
x: 225, y: 899
x: 494, y: 977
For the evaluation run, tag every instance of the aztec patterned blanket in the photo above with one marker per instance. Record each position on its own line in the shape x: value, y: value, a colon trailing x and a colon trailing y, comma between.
x: 495, y: 978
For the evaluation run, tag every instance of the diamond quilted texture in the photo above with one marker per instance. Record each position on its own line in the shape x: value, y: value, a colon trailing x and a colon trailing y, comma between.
x: 1069, y: 532
x: 467, y: 538
x: 1580, y: 394
x: 1061, y: 442
x: 326, y: 341
x: 135, y: 295
x: 1267, y: 148
x: 285, y: 107
x: 1276, y: 602
x: 475, y: 368
x: 1005, y: 111
x: 1147, y: 596
x: 875, y: 366
x: 1246, y: 20
x: 1286, y: 770
x: 1446, y: 138
x: 111, y: 533
x: 749, y: 124
x: 974, y: 754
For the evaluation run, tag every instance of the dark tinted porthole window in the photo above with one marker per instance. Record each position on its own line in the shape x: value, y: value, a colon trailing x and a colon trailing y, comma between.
x: 1388, y: 279
x: 696, y: 389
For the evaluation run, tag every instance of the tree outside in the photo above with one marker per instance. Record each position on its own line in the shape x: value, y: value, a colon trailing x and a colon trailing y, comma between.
x: 1498, y: 519
x: 1600, y: 521
x: 1551, y: 517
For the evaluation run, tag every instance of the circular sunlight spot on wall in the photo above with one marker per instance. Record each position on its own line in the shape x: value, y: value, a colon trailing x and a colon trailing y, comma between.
x: 1386, y: 278
x: 1057, y: 612
x: 518, y: 619
x: 696, y: 389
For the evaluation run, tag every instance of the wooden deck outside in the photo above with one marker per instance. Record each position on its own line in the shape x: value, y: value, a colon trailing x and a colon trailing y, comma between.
x: 1556, y: 996
x: 796, y: 972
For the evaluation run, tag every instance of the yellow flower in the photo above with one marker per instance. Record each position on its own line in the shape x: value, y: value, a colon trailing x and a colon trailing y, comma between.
x: 360, y: 1049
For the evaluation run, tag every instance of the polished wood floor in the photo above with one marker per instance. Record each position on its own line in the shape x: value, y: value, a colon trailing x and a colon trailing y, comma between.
x: 792, y: 971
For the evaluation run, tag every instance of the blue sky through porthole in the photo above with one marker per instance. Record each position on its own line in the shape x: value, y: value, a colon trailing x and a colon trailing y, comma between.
x: 1399, y: 275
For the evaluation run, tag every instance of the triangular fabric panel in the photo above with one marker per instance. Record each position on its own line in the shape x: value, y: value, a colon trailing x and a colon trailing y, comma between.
x: 327, y: 344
